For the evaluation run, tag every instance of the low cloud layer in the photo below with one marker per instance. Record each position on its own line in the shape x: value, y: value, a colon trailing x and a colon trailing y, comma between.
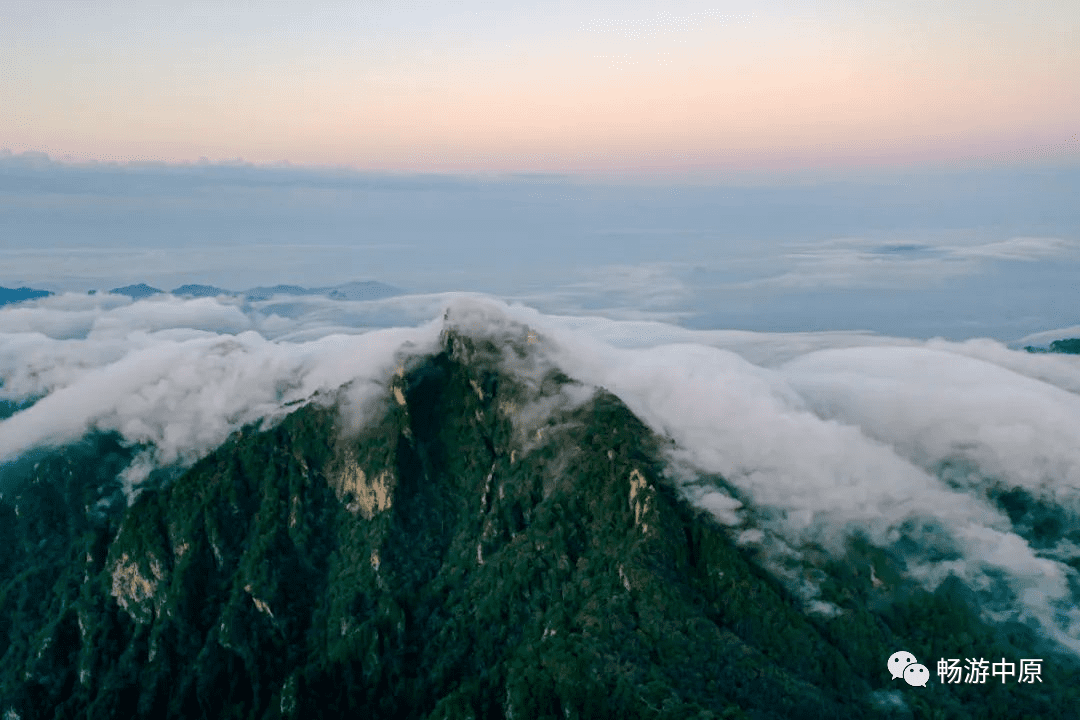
x: 921, y: 259
x: 178, y: 375
x: 867, y: 438
x: 921, y: 253
x: 819, y: 434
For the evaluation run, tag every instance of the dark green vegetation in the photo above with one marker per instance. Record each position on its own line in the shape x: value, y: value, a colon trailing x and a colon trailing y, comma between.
x: 450, y: 561
x: 1070, y: 347
x: 10, y: 407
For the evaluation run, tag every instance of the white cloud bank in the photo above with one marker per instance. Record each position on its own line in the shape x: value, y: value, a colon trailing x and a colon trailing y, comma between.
x: 854, y: 437
x: 180, y: 375
x: 820, y: 434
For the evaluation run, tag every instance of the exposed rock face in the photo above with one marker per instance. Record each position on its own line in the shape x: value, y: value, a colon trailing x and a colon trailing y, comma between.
x: 361, y: 494
x: 503, y: 544
x: 131, y: 587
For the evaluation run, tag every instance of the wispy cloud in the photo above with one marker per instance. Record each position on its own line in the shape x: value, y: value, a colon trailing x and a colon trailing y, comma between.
x: 856, y: 438
x: 644, y: 288
x: 865, y: 263
x: 1025, y: 249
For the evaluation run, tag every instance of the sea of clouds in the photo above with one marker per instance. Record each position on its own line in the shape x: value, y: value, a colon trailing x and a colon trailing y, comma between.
x: 818, y: 435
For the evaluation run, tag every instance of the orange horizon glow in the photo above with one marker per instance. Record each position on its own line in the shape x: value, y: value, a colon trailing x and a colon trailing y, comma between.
x: 791, y: 94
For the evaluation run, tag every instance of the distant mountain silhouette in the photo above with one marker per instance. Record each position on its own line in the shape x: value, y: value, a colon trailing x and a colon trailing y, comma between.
x: 135, y: 292
x: 14, y: 295
x: 365, y: 290
x: 201, y: 291
x: 359, y: 290
x: 265, y: 293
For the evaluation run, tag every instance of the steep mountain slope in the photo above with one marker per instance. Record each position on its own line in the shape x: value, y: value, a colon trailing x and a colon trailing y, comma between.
x: 500, y: 543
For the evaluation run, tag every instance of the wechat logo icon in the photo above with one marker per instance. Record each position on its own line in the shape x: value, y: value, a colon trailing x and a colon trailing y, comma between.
x: 903, y: 664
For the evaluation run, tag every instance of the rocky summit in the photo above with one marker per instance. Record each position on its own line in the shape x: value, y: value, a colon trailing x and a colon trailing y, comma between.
x: 495, y: 541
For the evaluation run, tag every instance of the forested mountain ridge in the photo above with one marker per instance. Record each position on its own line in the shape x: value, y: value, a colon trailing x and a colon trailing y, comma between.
x: 1069, y: 346
x: 498, y: 544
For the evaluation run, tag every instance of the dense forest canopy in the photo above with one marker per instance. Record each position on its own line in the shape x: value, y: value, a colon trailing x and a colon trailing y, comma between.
x: 454, y: 561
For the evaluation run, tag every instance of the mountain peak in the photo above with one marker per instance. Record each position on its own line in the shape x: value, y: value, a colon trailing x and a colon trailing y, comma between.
x: 501, y: 541
x: 136, y: 292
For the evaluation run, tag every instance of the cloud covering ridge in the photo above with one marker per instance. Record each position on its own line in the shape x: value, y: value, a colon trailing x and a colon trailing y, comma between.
x: 818, y: 436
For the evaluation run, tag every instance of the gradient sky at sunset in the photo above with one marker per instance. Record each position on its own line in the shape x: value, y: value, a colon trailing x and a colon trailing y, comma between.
x: 905, y: 167
x: 543, y: 86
